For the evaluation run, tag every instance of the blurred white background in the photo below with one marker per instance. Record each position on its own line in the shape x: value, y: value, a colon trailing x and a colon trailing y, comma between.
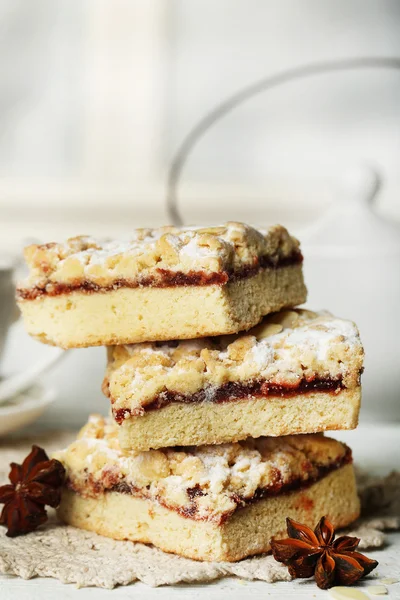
x: 97, y: 95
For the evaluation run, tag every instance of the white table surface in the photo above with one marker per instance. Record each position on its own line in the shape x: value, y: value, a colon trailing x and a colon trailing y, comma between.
x: 375, y: 447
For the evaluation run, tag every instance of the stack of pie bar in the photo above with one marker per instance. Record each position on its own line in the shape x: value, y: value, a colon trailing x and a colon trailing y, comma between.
x: 220, y: 389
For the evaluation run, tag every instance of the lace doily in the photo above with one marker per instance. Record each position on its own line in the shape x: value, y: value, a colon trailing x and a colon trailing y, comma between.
x: 87, y: 559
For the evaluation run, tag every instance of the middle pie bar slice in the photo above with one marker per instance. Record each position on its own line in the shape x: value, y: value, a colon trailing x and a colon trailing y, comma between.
x: 298, y: 371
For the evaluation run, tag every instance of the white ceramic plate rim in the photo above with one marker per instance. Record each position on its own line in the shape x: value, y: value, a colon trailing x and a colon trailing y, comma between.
x: 17, y: 383
x: 48, y: 395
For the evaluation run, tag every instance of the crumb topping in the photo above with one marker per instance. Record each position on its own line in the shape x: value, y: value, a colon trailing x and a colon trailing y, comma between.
x: 143, y: 258
x: 285, y: 349
x: 207, y: 482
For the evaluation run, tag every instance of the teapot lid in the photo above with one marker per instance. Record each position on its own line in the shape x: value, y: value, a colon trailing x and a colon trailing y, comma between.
x: 351, y: 226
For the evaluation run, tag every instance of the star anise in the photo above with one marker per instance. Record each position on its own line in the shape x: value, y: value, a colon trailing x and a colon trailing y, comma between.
x: 34, y: 484
x: 332, y: 562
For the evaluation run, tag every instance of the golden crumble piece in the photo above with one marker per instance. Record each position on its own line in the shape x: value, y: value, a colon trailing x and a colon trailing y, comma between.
x: 238, y: 349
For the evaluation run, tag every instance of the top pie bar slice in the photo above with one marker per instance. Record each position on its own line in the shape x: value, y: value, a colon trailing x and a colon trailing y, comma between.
x: 162, y: 284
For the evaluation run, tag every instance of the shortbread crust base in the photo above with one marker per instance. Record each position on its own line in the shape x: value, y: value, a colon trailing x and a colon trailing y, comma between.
x: 246, y: 533
x: 130, y: 315
x: 195, y: 424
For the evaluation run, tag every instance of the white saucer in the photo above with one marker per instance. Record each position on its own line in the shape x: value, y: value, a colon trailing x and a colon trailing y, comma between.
x: 24, y: 361
x: 25, y: 408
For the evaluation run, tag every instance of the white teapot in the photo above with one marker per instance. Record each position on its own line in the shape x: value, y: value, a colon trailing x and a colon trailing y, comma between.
x: 352, y: 268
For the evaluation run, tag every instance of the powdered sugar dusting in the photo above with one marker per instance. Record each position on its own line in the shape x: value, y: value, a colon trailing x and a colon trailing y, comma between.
x: 193, y: 250
x: 263, y: 354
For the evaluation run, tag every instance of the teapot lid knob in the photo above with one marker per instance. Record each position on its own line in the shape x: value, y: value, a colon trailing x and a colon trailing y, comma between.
x: 360, y: 184
x: 350, y: 226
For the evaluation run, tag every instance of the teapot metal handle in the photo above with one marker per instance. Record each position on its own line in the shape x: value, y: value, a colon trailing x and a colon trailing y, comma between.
x: 241, y: 96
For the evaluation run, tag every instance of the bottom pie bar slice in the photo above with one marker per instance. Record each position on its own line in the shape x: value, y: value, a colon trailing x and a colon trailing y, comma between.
x: 212, y: 503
